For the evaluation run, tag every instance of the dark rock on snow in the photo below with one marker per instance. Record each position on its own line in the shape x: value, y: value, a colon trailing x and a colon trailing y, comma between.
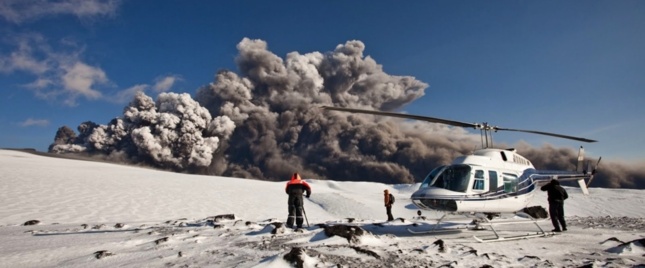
x: 102, y: 254
x: 224, y: 217
x: 161, y: 240
x: 279, y: 228
x: 351, y: 233
x: 31, y: 222
x: 536, y: 212
x: 295, y: 257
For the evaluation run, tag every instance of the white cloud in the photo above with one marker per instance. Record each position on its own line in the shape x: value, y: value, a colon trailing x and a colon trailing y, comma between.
x: 23, y: 59
x: 59, y: 73
x: 40, y: 83
x: 18, y: 11
x: 35, y: 122
x: 80, y: 78
x: 163, y: 84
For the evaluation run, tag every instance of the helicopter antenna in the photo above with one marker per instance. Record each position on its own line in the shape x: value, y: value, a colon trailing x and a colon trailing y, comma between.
x: 485, y: 129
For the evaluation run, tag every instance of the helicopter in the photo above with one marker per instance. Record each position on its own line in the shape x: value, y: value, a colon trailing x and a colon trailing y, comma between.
x: 488, y: 182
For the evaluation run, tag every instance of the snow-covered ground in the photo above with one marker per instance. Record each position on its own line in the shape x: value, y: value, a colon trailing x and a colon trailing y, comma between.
x: 94, y: 214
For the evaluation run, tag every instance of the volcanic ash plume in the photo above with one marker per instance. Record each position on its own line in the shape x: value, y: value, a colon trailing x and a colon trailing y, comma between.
x: 264, y: 122
x: 174, y: 132
x: 274, y: 103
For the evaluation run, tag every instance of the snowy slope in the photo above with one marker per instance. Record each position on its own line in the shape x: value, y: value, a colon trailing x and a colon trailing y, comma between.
x: 78, y: 204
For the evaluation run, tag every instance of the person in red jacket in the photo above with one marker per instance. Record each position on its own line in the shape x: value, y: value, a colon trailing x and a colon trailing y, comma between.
x: 388, y: 200
x: 295, y: 188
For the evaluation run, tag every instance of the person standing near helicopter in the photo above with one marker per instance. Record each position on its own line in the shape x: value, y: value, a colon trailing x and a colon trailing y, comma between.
x: 388, y: 199
x: 295, y: 188
x: 556, y: 197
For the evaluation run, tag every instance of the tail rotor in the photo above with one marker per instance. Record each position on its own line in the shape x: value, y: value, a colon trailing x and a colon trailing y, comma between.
x: 593, y: 171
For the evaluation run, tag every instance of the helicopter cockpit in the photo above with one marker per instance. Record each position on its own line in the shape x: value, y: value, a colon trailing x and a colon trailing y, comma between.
x: 454, y: 178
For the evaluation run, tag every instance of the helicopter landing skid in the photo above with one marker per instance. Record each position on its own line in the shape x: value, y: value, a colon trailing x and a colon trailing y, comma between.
x: 435, y: 231
x: 497, y: 237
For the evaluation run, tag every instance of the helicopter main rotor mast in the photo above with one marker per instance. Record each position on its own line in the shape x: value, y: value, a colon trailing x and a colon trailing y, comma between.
x: 485, y: 129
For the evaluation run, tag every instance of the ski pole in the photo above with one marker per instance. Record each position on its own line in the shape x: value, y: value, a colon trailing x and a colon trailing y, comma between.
x: 305, y: 214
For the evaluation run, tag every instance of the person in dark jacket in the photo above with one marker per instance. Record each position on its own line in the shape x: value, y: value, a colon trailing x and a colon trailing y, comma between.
x: 389, y: 200
x: 295, y: 188
x: 556, y: 197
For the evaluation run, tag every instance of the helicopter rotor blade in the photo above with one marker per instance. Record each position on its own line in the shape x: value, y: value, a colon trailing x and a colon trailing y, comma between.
x: 547, y: 134
x: 407, y: 116
x: 483, y: 126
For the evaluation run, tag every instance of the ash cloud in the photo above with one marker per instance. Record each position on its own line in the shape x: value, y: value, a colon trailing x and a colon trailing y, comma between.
x: 609, y: 174
x: 263, y: 122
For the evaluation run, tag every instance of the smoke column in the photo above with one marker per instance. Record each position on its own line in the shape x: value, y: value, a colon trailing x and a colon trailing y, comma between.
x: 264, y: 122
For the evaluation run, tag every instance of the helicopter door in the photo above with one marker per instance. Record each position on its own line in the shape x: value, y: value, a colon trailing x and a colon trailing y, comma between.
x: 492, y: 176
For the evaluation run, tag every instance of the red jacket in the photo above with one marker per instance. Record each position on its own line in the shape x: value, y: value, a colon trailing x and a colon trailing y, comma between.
x: 296, y: 186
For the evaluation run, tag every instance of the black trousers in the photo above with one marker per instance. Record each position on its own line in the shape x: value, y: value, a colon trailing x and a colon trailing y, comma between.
x: 295, y: 211
x: 388, y: 209
x: 556, y: 210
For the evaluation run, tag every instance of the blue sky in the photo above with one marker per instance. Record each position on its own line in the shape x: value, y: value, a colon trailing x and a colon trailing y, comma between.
x: 569, y: 67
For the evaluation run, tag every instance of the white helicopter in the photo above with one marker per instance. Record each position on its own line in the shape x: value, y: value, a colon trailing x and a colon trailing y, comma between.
x: 487, y: 182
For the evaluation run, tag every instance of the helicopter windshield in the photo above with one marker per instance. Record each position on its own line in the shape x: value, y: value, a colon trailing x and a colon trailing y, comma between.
x: 454, y: 178
x: 426, y: 182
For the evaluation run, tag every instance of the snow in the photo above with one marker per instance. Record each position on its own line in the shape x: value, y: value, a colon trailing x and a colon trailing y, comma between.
x: 167, y: 220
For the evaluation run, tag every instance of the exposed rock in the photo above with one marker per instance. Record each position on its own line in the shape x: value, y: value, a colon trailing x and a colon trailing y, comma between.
x: 366, y: 251
x: 612, y: 239
x: 351, y: 233
x: 608, y: 222
x: 31, y: 222
x: 537, y: 212
x: 224, y: 217
x: 102, y: 254
x: 529, y: 257
x: 119, y: 225
x: 295, y: 257
x: 161, y: 240
x: 279, y: 228
x: 440, y: 244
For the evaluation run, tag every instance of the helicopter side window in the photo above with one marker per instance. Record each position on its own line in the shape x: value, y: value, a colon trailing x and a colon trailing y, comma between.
x: 478, y: 184
x: 510, y: 183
